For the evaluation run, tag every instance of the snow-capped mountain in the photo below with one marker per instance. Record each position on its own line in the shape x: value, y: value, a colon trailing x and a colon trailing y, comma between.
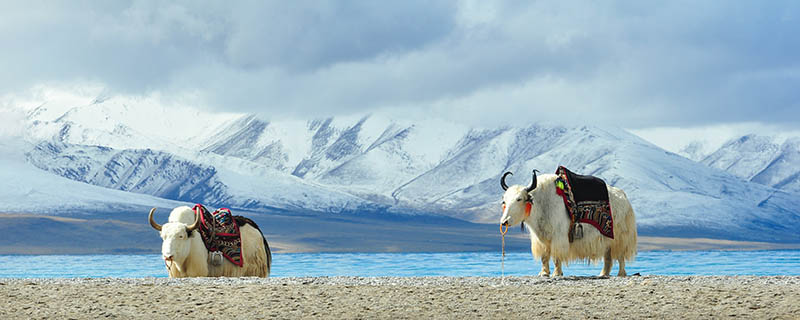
x: 27, y: 189
x: 368, y: 163
x: 768, y: 160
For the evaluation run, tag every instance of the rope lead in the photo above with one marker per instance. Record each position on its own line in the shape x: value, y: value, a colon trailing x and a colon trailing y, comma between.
x: 503, y: 258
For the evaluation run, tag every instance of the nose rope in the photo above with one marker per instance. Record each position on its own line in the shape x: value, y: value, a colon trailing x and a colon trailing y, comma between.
x: 168, y: 266
x: 503, y: 257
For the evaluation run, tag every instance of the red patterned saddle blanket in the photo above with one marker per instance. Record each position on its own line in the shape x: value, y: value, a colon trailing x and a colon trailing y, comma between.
x: 220, y: 233
x: 586, y: 199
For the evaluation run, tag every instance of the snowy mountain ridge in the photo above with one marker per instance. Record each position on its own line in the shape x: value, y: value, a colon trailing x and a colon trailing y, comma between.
x: 771, y: 160
x: 367, y: 163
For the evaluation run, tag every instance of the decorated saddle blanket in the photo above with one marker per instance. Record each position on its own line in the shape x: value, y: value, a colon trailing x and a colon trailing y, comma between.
x: 586, y: 199
x: 220, y: 232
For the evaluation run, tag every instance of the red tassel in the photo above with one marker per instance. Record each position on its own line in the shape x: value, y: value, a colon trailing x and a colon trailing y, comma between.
x: 528, y: 209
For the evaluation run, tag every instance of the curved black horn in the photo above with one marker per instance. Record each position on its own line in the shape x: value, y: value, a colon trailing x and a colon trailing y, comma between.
x: 533, y: 182
x: 503, y: 180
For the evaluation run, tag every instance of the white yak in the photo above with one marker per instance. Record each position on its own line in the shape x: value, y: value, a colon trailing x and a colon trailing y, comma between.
x: 186, y: 255
x: 549, y: 224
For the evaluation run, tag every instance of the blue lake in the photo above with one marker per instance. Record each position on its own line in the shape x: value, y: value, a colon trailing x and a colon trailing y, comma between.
x: 781, y: 262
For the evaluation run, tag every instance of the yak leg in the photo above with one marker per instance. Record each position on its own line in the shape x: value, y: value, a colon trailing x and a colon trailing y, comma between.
x: 622, y: 272
x: 607, y: 263
x: 545, y: 266
x: 558, y: 272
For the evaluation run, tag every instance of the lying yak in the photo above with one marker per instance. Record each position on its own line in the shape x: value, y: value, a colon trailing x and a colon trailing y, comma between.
x: 542, y: 206
x: 186, y: 254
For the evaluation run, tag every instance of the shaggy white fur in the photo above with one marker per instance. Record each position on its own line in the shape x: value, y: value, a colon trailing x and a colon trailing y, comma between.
x: 190, y: 256
x: 548, y: 226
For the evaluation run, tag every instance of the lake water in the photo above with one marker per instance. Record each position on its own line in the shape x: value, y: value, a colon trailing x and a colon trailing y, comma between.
x: 782, y: 262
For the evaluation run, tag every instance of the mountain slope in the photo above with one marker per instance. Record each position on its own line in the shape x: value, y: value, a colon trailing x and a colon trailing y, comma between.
x: 372, y: 164
x: 27, y: 189
x: 140, y: 171
x: 768, y: 160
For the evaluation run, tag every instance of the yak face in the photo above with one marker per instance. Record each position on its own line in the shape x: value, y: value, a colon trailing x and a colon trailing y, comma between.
x: 517, y: 201
x: 176, y: 245
x: 516, y: 206
x: 176, y: 235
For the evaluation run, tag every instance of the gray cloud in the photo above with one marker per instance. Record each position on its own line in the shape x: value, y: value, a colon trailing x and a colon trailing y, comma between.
x: 628, y: 64
x: 303, y: 35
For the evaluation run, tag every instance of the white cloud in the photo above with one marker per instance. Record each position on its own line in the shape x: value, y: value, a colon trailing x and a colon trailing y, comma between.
x: 677, y: 64
x: 13, y: 121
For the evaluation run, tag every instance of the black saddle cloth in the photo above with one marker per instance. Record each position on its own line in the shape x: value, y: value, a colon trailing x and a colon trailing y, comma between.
x: 586, y: 188
x: 586, y: 200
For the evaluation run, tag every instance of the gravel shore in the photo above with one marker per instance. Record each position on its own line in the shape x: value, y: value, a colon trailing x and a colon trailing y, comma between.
x: 636, y: 297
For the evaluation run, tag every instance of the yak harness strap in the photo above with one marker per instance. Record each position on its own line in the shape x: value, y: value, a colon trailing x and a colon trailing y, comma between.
x: 221, y: 236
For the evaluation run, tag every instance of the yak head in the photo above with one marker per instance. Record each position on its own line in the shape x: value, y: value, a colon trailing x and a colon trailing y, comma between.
x: 176, y: 235
x: 517, y: 201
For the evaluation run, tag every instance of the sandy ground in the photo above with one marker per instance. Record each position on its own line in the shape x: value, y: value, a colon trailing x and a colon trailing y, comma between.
x: 661, y: 297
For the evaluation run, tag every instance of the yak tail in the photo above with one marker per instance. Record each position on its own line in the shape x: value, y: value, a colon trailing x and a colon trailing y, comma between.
x: 269, y: 252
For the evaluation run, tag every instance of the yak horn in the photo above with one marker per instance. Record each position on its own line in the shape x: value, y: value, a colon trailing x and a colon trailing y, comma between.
x: 153, y: 222
x: 503, y: 180
x: 196, y: 221
x: 533, y: 182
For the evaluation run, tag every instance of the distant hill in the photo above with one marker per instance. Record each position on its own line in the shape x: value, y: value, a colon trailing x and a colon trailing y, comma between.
x: 367, y: 165
x: 768, y: 160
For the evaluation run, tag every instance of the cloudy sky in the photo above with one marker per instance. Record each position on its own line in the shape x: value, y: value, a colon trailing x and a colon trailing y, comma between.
x: 633, y: 64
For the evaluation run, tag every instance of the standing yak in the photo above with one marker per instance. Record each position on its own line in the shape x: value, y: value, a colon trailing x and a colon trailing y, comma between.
x: 555, y: 232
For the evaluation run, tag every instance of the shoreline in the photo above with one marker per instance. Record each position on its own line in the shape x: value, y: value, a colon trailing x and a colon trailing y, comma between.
x: 646, y: 244
x: 89, y: 234
x: 667, y: 297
